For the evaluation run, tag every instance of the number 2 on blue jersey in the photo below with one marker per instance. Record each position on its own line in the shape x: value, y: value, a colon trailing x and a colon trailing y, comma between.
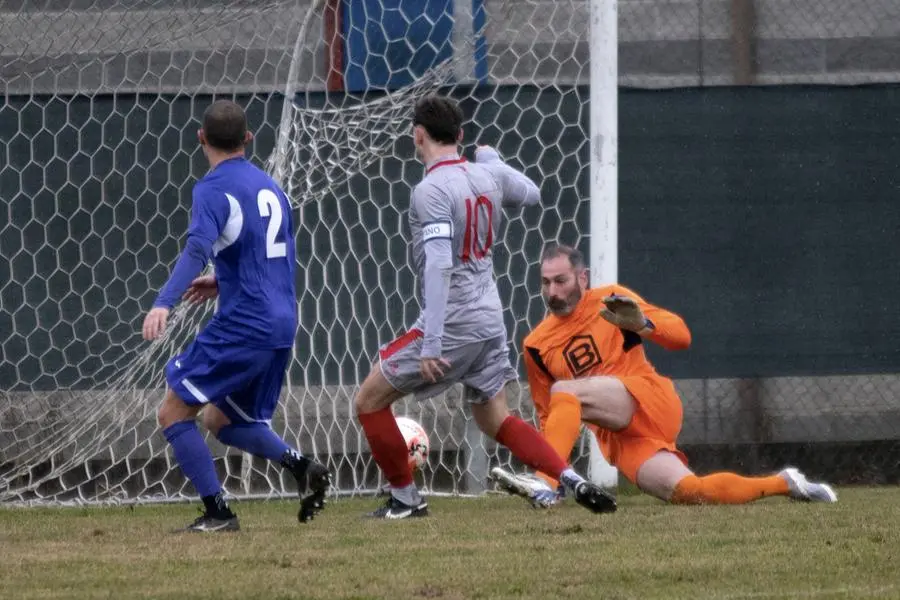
x: 270, y: 208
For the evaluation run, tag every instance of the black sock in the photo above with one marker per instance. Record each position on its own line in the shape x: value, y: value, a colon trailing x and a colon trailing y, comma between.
x: 216, y: 507
x: 295, y: 463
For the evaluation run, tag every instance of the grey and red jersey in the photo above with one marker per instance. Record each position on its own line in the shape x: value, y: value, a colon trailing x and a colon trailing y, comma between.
x: 455, y: 217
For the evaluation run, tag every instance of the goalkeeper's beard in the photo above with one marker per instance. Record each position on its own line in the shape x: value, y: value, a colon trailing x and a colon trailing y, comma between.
x: 563, y: 307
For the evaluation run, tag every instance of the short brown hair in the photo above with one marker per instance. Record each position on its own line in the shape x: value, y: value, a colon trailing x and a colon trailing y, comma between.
x: 225, y: 125
x: 575, y: 256
x: 441, y: 117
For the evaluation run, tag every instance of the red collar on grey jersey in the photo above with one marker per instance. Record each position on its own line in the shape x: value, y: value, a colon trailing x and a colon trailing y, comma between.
x: 444, y: 163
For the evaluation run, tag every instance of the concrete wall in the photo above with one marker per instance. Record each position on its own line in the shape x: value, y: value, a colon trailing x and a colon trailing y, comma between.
x: 127, y: 45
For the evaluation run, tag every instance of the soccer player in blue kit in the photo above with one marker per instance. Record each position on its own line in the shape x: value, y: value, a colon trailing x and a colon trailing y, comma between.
x: 233, y: 371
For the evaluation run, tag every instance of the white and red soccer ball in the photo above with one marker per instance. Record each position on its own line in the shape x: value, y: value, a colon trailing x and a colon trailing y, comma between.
x: 416, y: 441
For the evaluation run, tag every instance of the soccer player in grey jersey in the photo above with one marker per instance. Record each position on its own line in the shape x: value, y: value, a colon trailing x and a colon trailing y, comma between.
x: 460, y: 336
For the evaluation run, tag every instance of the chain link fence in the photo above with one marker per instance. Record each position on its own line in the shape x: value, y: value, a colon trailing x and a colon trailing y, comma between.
x: 758, y: 42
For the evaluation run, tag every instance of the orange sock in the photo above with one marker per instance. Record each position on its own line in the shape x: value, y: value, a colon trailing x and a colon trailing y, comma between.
x: 727, y: 488
x: 562, y: 426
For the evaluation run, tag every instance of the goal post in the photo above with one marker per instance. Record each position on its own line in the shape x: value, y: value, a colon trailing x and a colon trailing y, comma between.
x: 604, y: 174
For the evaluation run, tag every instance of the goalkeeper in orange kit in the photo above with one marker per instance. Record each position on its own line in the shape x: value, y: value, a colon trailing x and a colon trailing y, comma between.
x: 586, y: 363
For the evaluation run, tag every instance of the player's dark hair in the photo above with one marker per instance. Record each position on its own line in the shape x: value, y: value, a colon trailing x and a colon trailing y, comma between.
x: 225, y: 125
x: 441, y: 117
x: 576, y: 258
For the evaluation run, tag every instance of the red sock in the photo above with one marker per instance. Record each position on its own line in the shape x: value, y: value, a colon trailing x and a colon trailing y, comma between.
x: 388, y: 446
x: 529, y: 446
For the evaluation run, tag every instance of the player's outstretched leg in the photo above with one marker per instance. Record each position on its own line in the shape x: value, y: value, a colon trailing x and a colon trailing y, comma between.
x: 373, y: 408
x: 665, y: 476
x: 259, y: 440
x: 529, y: 446
x: 731, y: 488
x: 196, y: 462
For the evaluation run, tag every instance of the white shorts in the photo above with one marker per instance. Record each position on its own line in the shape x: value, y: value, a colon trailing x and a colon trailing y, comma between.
x: 483, y: 367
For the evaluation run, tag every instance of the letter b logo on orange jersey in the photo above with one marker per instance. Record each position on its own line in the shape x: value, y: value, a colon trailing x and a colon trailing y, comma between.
x: 581, y: 354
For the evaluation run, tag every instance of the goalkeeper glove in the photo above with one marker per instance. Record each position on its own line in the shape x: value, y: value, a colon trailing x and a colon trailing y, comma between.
x: 624, y: 313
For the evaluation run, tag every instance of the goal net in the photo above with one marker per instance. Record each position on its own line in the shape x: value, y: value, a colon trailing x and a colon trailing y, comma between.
x: 100, y: 154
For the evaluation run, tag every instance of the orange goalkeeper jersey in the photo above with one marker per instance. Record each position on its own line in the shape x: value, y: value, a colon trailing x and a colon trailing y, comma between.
x: 584, y: 344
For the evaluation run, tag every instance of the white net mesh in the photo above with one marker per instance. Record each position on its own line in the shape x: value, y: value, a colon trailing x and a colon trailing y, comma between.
x: 99, y: 157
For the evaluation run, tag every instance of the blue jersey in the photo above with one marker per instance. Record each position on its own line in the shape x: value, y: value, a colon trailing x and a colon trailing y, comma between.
x: 242, y: 219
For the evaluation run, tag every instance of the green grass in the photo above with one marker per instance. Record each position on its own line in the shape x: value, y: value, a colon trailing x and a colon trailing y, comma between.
x: 495, y: 547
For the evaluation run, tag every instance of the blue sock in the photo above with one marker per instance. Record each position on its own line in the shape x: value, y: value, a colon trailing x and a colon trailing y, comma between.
x: 256, y: 438
x: 193, y: 457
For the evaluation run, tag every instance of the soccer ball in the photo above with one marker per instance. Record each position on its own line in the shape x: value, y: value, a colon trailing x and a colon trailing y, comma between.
x: 416, y: 441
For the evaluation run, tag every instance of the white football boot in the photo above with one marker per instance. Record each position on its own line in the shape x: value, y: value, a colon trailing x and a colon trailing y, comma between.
x: 534, y: 489
x: 807, y: 491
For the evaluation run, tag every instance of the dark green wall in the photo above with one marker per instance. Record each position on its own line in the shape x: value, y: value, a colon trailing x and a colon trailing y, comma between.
x: 766, y: 216
x: 769, y: 217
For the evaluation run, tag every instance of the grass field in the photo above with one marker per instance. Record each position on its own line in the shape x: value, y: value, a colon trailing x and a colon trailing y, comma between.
x: 495, y: 547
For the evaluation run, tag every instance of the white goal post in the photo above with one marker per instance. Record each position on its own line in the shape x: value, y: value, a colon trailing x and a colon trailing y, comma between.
x: 98, y: 135
x: 604, y: 166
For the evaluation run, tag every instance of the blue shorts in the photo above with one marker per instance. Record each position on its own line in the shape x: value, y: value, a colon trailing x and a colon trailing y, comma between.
x: 244, y: 383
